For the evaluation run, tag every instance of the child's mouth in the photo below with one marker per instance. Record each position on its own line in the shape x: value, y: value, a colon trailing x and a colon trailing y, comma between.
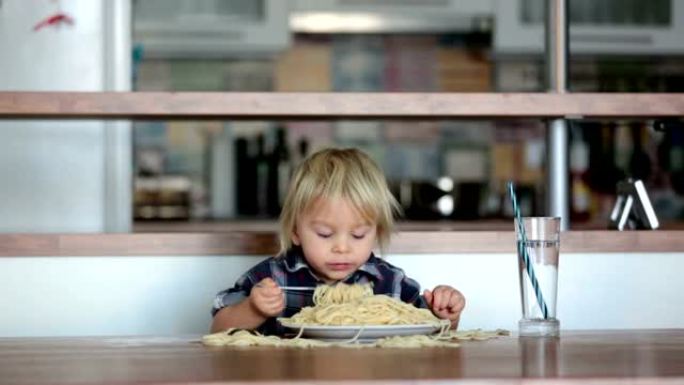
x: 339, y: 266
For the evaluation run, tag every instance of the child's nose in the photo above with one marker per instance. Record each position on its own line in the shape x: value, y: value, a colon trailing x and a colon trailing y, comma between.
x: 341, y: 245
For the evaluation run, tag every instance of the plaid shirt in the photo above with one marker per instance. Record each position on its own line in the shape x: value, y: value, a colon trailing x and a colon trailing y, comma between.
x: 293, y: 270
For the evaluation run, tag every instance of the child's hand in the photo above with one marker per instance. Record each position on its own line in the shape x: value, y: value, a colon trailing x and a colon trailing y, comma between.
x: 446, y: 303
x: 267, y: 298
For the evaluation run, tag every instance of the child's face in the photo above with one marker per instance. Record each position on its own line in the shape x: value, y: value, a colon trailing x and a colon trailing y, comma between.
x: 335, y: 238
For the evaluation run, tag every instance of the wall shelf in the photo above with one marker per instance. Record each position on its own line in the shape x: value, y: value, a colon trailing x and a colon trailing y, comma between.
x: 265, y: 243
x: 325, y: 106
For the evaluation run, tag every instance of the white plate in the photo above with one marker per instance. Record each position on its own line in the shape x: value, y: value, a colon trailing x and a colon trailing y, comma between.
x: 365, y: 333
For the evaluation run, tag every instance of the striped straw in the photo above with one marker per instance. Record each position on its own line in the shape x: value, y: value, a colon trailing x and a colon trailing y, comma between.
x: 522, y: 250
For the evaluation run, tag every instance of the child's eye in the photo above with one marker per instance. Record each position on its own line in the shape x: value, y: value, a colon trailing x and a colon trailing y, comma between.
x: 324, y: 235
x: 359, y: 236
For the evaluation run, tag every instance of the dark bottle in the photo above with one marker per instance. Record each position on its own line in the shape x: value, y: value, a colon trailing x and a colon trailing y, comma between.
x: 303, y: 145
x: 579, y: 166
x: 603, y: 175
x: 279, y: 172
x: 245, y: 179
x: 261, y: 160
x: 639, y: 163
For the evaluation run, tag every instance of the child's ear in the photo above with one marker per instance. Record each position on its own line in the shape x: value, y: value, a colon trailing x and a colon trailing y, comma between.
x: 295, y: 238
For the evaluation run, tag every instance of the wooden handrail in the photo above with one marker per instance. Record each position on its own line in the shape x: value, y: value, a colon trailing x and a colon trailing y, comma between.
x: 276, y: 105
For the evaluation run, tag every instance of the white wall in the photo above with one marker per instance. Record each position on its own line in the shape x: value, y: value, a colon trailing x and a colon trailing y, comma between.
x: 62, y: 296
x: 64, y: 176
x: 595, y: 291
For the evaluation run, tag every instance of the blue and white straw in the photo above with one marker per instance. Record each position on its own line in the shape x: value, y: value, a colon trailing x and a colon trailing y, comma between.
x: 522, y: 250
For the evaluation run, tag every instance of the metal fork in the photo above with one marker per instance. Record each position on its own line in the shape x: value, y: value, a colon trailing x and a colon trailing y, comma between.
x: 298, y: 288
x: 294, y: 288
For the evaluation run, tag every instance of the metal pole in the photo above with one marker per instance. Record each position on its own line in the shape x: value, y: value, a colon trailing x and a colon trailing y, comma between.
x: 118, y: 173
x: 557, y: 131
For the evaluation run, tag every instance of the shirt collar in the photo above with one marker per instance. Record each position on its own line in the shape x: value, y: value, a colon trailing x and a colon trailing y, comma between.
x: 371, y: 267
x: 295, y: 261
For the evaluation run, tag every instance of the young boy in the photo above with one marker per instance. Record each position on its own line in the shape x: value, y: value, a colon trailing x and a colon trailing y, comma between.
x: 337, y: 209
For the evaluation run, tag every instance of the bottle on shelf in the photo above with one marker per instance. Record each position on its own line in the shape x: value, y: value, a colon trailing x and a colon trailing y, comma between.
x: 245, y: 176
x: 579, y: 166
x: 302, y: 149
x: 279, y: 172
x: 261, y: 161
x: 639, y: 162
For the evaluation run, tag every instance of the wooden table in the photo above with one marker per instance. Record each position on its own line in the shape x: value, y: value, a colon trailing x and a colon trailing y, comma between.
x: 642, y: 356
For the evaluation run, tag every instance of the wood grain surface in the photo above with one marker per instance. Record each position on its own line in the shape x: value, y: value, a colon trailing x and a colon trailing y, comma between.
x: 277, y: 105
x: 266, y: 243
x: 591, y: 357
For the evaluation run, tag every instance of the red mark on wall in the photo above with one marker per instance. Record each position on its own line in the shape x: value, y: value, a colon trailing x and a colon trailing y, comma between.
x: 54, y: 20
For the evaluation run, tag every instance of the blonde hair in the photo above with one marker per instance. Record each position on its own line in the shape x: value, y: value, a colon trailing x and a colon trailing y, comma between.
x: 339, y: 173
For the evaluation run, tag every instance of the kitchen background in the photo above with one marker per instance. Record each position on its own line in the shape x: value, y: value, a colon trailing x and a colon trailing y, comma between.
x: 439, y: 170
x: 94, y: 176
